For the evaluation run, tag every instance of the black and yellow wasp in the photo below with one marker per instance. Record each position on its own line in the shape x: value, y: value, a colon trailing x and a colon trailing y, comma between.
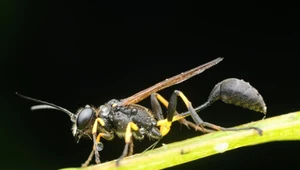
x: 128, y: 120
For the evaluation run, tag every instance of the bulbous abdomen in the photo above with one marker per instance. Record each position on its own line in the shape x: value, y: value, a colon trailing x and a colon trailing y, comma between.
x: 240, y: 93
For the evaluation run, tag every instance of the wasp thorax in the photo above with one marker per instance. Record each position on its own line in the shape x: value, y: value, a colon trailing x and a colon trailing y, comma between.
x: 84, y: 117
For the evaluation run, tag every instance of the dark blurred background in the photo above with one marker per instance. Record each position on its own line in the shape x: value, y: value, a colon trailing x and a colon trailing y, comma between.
x: 74, y: 53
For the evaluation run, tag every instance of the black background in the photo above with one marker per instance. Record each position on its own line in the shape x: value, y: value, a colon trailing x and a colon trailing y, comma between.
x: 74, y: 53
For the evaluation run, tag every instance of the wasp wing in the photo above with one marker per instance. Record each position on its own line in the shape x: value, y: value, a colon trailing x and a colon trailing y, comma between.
x: 169, y: 82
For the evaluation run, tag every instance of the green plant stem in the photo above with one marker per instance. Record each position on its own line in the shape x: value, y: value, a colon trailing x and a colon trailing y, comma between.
x: 280, y: 128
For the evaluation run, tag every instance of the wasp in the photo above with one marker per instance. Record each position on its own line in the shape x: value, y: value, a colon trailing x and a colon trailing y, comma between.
x: 129, y: 120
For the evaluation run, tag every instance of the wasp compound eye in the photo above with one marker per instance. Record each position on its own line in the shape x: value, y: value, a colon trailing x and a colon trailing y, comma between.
x: 84, y: 117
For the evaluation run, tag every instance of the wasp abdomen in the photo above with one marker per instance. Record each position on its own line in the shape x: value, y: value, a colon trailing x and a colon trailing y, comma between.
x: 240, y: 93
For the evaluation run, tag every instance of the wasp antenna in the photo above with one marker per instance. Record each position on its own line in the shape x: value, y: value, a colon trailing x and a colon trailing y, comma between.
x: 47, y: 105
x: 42, y: 106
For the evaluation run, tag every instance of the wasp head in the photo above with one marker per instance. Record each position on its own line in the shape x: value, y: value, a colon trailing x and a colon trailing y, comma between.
x: 83, y: 124
x: 83, y: 120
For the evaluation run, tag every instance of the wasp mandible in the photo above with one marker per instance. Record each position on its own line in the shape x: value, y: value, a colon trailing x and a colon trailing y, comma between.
x: 127, y: 119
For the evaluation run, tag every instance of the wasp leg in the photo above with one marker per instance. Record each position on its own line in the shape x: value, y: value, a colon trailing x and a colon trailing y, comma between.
x: 128, y: 139
x: 220, y: 128
x: 107, y: 136
x: 94, y: 133
x: 199, y: 121
x: 87, y: 162
x: 166, y: 123
x: 131, y: 148
x: 156, y: 108
x: 195, y: 126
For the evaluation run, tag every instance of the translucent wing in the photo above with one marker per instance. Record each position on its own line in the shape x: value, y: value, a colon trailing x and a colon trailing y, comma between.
x: 169, y: 82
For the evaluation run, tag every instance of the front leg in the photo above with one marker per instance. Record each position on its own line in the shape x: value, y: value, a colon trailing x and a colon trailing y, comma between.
x: 95, y: 141
x: 105, y: 135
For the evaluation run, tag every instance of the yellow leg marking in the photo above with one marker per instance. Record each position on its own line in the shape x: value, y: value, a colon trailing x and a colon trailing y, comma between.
x: 99, y: 136
x: 165, y: 126
x: 175, y: 118
x: 184, y: 98
x: 162, y: 100
x: 131, y: 126
x: 178, y: 117
x: 166, y: 104
x: 187, y: 104
x: 100, y: 121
